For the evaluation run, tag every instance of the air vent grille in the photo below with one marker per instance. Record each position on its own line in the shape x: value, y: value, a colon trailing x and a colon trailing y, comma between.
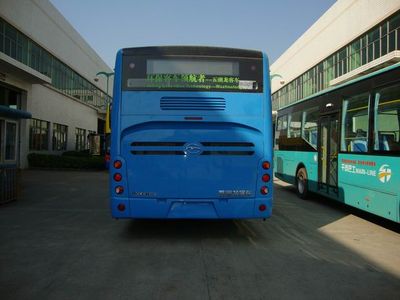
x: 192, y: 103
x: 185, y: 148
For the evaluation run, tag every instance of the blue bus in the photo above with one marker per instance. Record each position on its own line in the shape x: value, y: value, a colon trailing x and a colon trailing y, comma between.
x: 191, y: 134
x: 344, y: 143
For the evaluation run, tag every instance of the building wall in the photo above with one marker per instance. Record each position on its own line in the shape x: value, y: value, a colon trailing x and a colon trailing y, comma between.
x: 342, y: 23
x: 41, y: 22
x: 55, y: 109
x: 49, y: 105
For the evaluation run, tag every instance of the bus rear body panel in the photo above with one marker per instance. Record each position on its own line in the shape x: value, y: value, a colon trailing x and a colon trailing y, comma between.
x: 217, y: 208
x: 207, y: 168
x: 191, y: 154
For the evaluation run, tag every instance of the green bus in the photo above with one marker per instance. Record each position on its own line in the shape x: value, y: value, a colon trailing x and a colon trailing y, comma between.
x: 344, y: 143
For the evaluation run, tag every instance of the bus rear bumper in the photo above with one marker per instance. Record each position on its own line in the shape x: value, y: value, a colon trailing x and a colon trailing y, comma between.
x: 145, y: 208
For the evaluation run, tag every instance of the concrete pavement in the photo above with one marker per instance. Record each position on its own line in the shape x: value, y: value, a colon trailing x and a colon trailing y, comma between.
x: 59, y: 242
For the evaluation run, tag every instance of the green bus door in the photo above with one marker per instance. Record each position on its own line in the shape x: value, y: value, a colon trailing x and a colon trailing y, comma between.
x: 328, y: 155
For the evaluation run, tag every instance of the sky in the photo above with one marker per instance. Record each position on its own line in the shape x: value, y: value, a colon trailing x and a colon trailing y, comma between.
x: 270, y: 25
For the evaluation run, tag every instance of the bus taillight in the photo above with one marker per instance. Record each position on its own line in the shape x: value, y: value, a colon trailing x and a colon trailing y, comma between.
x: 262, y: 207
x: 121, y: 207
x: 264, y: 190
x: 117, y: 164
x: 266, y: 178
x: 117, y: 177
x: 119, y: 190
x: 266, y: 165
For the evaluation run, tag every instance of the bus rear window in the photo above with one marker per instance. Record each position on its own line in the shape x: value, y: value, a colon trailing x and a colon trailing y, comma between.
x: 193, y: 73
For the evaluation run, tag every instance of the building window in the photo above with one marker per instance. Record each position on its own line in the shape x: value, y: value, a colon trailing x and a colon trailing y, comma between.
x: 355, y: 124
x: 377, y: 42
x: 387, y: 119
x: 10, y: 41
x: 60, y: 134
x: 18, y: 46
x: 80, y: 139
x: 10, y: 98
x: 89, y: 138
x: 354, y: 55
x: 39, y: 135
x: 1, y: 35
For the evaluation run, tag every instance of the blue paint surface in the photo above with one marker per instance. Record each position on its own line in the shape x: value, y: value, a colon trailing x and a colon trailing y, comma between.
x: 191, y: 164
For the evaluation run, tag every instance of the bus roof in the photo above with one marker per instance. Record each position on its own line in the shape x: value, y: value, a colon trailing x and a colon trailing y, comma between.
x: 350, y: 82
x: 193, y: 50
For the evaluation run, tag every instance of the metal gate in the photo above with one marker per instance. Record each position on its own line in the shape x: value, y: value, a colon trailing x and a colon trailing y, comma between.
x: 8, y: 183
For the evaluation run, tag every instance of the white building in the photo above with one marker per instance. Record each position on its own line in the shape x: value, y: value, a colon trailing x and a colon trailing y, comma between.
x: 352, y: 38
x: 46, y: 69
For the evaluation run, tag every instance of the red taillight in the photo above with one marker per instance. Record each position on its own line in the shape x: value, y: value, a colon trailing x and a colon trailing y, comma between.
x: 266, y: 165
x: 121, y: 207
x: 117, y: 177
x: 119, y: 190
x: 266, y: 178
x: 264, y: 190
x: 262, y: 207
x: 117, y: 164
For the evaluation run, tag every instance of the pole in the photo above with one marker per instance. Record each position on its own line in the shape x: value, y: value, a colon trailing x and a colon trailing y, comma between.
x: 107, y: 75
x: 107, y: 87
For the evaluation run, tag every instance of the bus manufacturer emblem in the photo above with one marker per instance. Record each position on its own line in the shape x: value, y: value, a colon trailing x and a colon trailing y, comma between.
x: 192, y: 149
x: 385, y: 173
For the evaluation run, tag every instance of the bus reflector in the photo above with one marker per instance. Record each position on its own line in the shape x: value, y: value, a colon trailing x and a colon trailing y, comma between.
x: 266, y: 178
x: 121, y: 207
x: 117, y: 177
x: 264, y: 190
x: 266, y: 165
x: 119, y: 189
x: 117, y: 164
x: 262, y: 207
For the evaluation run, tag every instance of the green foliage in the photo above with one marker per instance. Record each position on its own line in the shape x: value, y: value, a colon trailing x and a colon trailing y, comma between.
x: 65, y: 161
x: 84, y: 153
